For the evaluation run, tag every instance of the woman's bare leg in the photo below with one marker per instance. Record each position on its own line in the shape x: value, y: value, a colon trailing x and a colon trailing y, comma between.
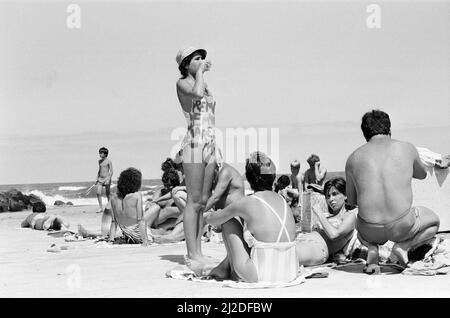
x: 86, y: 233
x: 311, y: 249
x: 167, y: 213
x: 176, y: 235
x: 168, y: 224
x: 238, y: 252
x: 194, y: 172
x: 180, y: 198
x: 151, y: 215
x: 206, y: 193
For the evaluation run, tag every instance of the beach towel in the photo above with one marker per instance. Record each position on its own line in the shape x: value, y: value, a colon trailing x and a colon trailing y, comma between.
x: 433, y: 192
x: 184, y: 273
x: 435, y: 262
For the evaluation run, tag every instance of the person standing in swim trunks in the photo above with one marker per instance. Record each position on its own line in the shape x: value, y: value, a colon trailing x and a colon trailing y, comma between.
x: 379, y: 176
x: 199, y: 152
x: 104, y: 175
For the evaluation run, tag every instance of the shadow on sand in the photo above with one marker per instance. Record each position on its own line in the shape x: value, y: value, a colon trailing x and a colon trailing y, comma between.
x: 358, y: 268
x: 179, y: 259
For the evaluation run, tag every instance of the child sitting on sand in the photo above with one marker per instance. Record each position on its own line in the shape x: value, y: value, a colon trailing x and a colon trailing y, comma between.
x: 40, y: 220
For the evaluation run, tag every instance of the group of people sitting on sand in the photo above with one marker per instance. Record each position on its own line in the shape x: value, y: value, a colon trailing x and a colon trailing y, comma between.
x: 372, y: 205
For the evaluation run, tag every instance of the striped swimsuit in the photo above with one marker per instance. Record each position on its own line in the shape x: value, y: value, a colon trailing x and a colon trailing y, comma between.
x: 275, y: 261
x: 132, y: 233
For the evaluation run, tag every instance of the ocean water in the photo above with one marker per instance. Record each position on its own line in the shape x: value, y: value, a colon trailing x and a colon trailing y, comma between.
x: 74, y: 192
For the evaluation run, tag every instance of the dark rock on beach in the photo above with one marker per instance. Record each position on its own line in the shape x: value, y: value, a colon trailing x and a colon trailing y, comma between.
x: 13, y: 201
x: 69, y: 203
x: 59, y: 202
x: 16, y: 206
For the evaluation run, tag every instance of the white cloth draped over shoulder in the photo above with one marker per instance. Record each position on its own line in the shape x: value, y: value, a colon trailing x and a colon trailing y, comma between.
x: 434, y: 191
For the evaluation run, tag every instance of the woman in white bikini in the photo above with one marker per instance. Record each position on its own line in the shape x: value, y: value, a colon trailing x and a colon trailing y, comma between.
x: 258, y: 230
x: 199, y: 152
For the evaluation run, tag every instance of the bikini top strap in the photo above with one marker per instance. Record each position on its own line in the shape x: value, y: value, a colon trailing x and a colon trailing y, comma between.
x: 282, y: 222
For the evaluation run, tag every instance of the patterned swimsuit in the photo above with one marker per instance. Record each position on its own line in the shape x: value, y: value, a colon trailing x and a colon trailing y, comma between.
x: 200, y: 132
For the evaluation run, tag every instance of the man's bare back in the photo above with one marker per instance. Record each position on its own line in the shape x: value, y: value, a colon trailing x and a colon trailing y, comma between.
x: 379, y: 176
x: 381, y: 172
x: 229, y: 188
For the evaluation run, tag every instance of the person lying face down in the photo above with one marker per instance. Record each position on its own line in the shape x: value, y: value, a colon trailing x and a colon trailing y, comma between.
x: 40, y: 220
x: 336, y: 232
x: 258, y: 230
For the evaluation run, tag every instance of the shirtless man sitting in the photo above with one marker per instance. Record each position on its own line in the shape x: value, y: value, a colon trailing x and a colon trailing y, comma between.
x: 379, y: 176
x: 228, y: 188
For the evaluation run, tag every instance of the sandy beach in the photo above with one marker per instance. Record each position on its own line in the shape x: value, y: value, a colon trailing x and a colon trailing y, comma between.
x: 28, y: 270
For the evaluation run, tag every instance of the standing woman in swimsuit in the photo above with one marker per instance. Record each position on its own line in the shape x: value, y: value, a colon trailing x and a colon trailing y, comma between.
x: 198, y: 150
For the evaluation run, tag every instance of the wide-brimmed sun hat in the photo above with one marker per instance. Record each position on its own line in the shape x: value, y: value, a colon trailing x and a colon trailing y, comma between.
x: 185, y: 52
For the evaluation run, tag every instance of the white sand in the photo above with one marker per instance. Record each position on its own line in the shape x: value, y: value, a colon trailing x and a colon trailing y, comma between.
x: 28, y: 270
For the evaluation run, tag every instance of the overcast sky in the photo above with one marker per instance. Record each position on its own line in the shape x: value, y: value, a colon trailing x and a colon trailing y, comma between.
x: 308, y: 69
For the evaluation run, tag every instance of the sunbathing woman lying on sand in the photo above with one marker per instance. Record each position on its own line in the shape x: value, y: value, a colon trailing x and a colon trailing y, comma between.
x: 337, y: 232
x: 258, y: 230
x: 40, y: 220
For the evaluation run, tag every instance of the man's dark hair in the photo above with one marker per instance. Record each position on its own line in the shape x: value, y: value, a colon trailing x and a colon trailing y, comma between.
x: 312, y: 160
x: 375, y: 122
x: 104, y: 151
x: 39, y: 207
x: 282, y: 182
x: 130, y: 181
x: 260, y: 171
x: 170, y: 180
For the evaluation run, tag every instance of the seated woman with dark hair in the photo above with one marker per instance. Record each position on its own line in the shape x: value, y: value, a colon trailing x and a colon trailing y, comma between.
x: 337, y: 232
x: 127, y: 209
x: 168, y: 207
x: 258, y: 230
